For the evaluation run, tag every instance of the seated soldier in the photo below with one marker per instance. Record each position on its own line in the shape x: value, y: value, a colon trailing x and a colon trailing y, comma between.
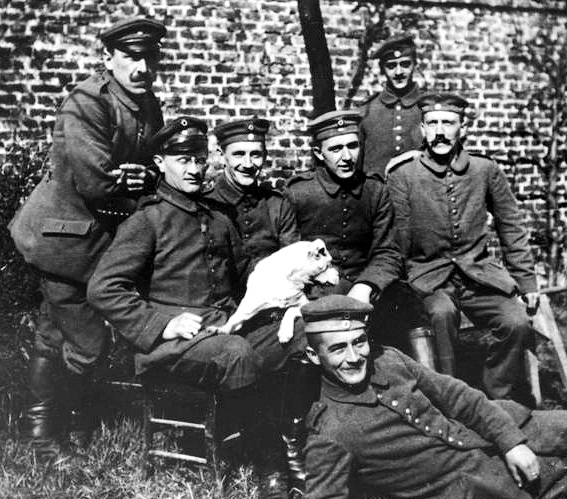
x: 441, y: 201
x: 395, y: 428
x: 171, y: 272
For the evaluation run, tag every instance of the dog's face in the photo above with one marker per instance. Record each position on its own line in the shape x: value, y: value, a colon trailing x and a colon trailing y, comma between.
x: 318, y: 263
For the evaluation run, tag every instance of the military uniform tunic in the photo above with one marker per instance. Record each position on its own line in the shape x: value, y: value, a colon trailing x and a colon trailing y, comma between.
x: 355, y: 220
x: 390, y: 126
x: 72, y: 214
x: 441, y: 221
x: 175, y: 254
x: 264, y: 217
x: 413, y: 433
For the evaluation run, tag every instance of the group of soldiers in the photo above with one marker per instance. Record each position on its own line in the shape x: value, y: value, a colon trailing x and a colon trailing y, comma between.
x: 123, y: 232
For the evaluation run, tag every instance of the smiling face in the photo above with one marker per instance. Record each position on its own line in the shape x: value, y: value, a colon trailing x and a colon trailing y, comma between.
x: 339, y: 154
x: 184, y: 172
x: 399, y: 71
x: 244, y: 161
x: 134, y: 72
x: 441, y: 131
x: 343, y: 355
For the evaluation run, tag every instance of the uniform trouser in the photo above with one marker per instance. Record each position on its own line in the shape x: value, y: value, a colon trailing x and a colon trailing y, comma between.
x: 68, y: 326
x: 505, y: 316
x: 232, y: 362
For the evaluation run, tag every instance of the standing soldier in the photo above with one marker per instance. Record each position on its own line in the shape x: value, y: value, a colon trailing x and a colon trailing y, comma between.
x: 98, y: 169
x: 390, y: 123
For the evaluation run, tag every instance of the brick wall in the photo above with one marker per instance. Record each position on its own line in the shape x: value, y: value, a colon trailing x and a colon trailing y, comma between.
x: 230, y: 58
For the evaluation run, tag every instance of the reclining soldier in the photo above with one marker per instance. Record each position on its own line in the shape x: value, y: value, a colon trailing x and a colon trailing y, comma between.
x: 392, y: 427
x: 171, y: 272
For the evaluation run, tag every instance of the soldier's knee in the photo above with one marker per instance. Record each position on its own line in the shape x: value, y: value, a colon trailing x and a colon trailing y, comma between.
x: 239, y: 364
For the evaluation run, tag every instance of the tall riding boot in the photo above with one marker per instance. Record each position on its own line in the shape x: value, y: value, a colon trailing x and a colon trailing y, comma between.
x: 423, y: 347
x: 300, y: 391
x: 41, y: 421
x: 81, y: 420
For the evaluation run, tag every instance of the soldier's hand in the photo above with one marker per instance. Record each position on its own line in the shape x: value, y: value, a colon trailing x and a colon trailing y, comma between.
x: 532, y: 302
x: 131, y: 175
x: 522, y: 461
x: 361, y: 292
x: 185, y: 325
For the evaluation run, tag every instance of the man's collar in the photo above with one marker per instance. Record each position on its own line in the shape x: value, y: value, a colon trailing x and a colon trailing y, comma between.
x: 179, y: 199
x: 121, y: 94
x: 389, y: 97
x: 332, y: 186
x: 459, y: 163
x: 231, y: 194
x: 364, y: 395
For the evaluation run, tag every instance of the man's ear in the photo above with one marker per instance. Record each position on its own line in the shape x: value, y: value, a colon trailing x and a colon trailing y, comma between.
x: 465, y: 122
x: 158, y: 160
x: 312, y: 355
x: 107, y: 58
x: 422, y: 129
x: 317, y: 153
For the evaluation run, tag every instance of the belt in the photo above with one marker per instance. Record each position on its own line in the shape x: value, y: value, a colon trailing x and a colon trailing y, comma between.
x: 262, y: 318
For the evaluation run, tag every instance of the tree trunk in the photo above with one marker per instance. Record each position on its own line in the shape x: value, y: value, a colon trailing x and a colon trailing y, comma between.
x: 318, y: 56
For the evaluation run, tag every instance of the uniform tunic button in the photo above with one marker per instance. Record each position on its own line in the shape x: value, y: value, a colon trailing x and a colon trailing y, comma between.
x: 408, y: 410
x: 395, y: 403
x: 398, y: 107
x: 345, y: 223
x: 427, y: 428
x: 212, y: 271
x: 451, y: 186
x: 343, y: 258
x: 451, y: 439
x: 455, y: 236
x: 454, y: 211
x: 416, y: 420
x: 460, y: 443
x: 246, y: 236
x: 440, y: 432
x: 398, y: 117
x: 379, y: 396
x: 453, y: 199
x: 343, y: 195
x: 345, y: 210
x: 397, y: 148
x: 344, y: 236
x: 456, y: 225
x: 398, y: 138
x: 454, y: 260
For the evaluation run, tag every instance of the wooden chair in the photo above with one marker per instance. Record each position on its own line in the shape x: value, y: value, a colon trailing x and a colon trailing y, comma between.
x: 178, y: 410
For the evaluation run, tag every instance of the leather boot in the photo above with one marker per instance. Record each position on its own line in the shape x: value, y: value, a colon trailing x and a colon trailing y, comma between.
x: 300, y: 391
x: 81, y: 420
x: 41, y: 419
x: 423, y: 347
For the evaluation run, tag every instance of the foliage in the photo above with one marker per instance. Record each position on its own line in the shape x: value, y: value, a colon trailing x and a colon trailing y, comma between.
x: 545, y: 51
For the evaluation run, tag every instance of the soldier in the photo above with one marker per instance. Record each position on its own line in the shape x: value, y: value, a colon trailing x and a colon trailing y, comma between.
x: 171, y: 273
x: 98, y: 169
x: 390, y: 123
x: 391, y: 427
x: 352, y: 213
x: 266, y: 222
x: 441, y: 200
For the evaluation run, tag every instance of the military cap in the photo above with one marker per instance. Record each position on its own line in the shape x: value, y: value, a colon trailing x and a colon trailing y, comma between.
x: 180, y: 136
x: 396, y: 46
x: 134, y: 35
x: 335, y: 313
x: 334, y: 123
x: 248, y: 130
x: 439, y: 101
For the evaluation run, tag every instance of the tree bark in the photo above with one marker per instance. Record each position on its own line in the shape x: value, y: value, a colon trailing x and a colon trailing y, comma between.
x: 318, y: 56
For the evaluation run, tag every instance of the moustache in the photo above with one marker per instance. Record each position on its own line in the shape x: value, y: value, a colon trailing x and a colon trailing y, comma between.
x: 246, y: 170
x: 194, y: 178
x: 440, y: 139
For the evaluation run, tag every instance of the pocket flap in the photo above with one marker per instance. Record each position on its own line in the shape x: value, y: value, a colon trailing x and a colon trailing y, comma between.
x: 71, y: 227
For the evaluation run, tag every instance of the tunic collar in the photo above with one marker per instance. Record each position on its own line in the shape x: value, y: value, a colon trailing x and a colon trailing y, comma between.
x: 363, y: 396
x: 179, y: 199
x: 459, y: 164
x: 232, y: 196
x: 389, y: 98
x: 122, y: 95
x: 332, y: 187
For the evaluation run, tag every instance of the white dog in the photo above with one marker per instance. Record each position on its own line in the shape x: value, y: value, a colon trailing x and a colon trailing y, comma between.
x: 279, y: 280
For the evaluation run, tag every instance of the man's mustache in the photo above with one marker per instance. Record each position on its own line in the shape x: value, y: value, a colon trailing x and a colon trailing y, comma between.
x: 440, y: 139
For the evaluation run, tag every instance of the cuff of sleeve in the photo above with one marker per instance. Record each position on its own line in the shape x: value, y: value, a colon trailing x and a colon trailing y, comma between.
x: 152, y: 330
x: 512, y: 437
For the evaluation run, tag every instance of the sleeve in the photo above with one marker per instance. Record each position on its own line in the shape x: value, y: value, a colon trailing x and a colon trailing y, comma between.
x: 87, y: 140
x: 288, y: 232
x: 384, y: 259
x: 510, y: 229
x: 328, y: 467
x: 459, y: 401
x: 114, y: 288
x: 399, y: 194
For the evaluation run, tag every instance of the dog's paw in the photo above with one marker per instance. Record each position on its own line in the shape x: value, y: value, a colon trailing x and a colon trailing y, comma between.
x: 285, y: 336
